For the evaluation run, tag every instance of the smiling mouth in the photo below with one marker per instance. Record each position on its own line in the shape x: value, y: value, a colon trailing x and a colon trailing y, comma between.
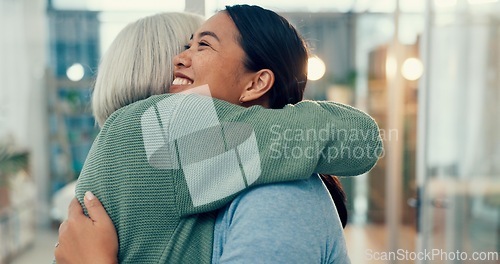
x: 182, y: 81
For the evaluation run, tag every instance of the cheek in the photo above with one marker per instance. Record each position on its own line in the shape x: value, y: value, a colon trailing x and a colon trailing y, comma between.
x: 208, y: 58
x: 222, y: 75
x: 201, y: 66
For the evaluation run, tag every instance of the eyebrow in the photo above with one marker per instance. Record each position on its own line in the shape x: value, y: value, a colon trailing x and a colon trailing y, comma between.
x: 209, y: 33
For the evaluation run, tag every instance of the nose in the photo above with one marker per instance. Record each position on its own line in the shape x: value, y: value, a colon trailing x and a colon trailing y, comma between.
x: 183, y: 59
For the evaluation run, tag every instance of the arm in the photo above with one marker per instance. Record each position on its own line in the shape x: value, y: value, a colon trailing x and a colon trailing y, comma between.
x: 209, y: 139
x: 310, y: 136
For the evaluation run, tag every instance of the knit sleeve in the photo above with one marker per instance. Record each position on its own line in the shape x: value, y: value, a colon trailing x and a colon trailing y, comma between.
x: 311, y: 136
x: 219, y: 149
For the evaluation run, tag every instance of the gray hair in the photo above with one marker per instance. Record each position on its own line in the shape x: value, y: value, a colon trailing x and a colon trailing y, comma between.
x: 139, y: 62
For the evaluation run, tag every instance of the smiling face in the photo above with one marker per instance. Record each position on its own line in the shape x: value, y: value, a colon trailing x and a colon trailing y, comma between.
x: 214, y: 57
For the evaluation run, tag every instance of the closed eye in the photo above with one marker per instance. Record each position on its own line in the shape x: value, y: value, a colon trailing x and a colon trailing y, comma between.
x: 202, y: 43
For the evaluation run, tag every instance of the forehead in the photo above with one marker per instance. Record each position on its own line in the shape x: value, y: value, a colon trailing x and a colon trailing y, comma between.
x: 221, y: 24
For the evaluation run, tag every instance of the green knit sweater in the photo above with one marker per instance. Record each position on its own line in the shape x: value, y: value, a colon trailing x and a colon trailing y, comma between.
x: 161, y: 166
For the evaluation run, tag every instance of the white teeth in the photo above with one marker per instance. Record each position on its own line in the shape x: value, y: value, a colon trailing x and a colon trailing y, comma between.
x: 182, y: 81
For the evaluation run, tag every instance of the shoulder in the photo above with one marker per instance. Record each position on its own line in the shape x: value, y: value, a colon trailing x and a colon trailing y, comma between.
x: 286, y: 194
x: 299, y: 203
x: 275, y: 219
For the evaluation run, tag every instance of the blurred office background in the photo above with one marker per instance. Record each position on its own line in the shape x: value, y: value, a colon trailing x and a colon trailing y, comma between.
x: 427, y: 70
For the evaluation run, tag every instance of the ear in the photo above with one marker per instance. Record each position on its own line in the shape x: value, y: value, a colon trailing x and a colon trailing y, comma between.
x: 260, y: 84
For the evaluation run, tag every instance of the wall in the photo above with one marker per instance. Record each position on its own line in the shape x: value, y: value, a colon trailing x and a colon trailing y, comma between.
x: 22, y: 86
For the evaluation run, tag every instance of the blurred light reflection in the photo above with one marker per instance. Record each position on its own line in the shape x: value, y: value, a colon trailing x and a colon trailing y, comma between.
x: 412, y: 69
x: 315, y: 68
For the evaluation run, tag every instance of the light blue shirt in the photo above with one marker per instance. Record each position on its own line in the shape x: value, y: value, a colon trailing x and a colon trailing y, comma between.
x: 293, y: 222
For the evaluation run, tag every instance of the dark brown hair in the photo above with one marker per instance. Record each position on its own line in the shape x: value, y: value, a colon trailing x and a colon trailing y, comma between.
x: 271, y: 42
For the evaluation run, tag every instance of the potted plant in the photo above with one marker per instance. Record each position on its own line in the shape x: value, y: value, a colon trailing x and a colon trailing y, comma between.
x: 11, y: 162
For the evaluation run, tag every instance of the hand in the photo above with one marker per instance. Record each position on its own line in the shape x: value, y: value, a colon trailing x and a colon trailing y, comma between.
x: 85, y: 239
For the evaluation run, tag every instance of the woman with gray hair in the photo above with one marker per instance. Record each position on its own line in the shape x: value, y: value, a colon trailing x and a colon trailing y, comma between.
x: 138, y: 63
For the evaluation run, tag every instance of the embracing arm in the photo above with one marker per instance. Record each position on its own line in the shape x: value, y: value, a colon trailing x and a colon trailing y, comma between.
x: 312, y: 136
x: 224, y: 148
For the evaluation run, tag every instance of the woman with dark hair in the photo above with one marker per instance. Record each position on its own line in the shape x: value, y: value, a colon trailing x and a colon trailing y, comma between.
x: 249, y: 230
x: 163, y: 219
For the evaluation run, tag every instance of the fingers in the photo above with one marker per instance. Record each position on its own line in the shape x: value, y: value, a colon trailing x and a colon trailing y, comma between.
x: 94, y: 208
